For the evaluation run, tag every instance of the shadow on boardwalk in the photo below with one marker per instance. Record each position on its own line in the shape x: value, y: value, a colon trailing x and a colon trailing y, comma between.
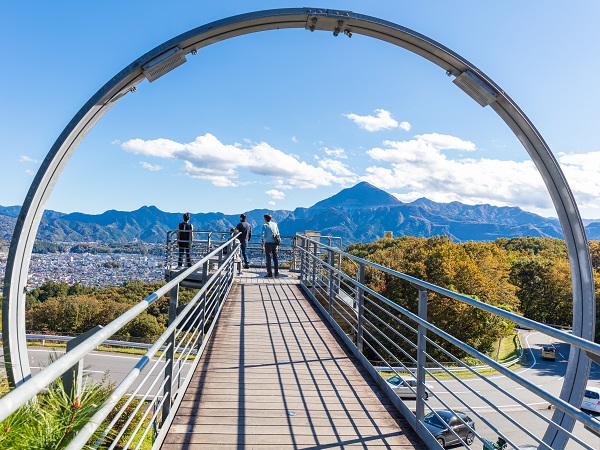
x: 274, y: 376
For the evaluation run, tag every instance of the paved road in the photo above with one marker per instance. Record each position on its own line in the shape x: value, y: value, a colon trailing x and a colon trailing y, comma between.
x: 98, y: 365
x: 548, y: 375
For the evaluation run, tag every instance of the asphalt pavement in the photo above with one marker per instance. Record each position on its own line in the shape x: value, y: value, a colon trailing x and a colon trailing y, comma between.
x: 481, y: 394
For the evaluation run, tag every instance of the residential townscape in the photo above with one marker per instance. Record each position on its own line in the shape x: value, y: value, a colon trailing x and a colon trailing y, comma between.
x: 90, y: 269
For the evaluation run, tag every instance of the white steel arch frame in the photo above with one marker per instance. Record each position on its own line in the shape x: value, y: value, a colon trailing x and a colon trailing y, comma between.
x: 170, y: 54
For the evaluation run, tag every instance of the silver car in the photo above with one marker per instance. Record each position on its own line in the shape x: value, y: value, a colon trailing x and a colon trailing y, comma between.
x: 406, y: 387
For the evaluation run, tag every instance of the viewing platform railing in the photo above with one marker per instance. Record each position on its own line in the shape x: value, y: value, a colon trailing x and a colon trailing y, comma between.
x: 378, y: 330
x: 204, y: 241
x: 381, y: 332
x: 141, y: 403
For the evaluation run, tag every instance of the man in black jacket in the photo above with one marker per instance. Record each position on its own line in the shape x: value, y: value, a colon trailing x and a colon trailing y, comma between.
x: 185, y: 237
x: 246, y: 230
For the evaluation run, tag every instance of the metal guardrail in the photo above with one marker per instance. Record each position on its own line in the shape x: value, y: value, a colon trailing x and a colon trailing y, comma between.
x: 147, y: 409
x: 377, y: 327
x: 204, y: 241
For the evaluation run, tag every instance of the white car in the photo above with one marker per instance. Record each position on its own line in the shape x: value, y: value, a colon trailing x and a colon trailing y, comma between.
x: 402, y: 386
x: 591, y: 399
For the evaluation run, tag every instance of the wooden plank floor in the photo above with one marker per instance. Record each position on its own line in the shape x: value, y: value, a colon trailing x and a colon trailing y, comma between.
x: 275, y: 377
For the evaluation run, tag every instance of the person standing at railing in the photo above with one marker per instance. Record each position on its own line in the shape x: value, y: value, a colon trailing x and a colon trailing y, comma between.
x: 185, y: 238
x: 246, y: 233
x: 271, y: 240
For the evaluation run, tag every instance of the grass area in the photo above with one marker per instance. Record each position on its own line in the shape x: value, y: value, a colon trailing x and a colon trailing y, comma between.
x: 130, y: 351
x: 123, y: 350
x: 507, y: 349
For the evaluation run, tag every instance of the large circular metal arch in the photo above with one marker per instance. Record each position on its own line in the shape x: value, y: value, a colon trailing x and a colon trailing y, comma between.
x: 169, y: 54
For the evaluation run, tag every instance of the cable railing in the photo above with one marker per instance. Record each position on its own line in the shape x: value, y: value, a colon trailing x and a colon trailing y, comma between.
x: 139, y: 410
x: 410, y: 348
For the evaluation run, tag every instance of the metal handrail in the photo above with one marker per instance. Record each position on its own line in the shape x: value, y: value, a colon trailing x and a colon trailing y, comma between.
x: 584, y: 344
x: 315, y: 266
x: 38, y: 382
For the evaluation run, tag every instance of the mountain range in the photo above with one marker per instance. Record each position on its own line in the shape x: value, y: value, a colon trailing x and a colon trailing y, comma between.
x: 362, y: 213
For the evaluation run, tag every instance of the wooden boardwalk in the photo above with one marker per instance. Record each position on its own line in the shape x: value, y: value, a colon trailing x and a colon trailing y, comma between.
x: 274, y: 377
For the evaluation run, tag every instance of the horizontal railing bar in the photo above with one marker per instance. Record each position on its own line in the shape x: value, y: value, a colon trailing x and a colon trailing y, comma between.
x: 345, y: 320
x: 131, y: 415
x: 38, y: 382
x: 141, y: 421
x: 96, y: 420
x: 487, y: 380
x: 387, y: 338
x: 560, y: 335
x: 507, y: 393
x: 576, y: 341
x: 402, y: 322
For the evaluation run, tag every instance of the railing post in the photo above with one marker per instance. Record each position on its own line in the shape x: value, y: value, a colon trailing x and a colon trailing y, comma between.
x: 421, y: 356
x: 330, y: 261
x: 314, y: 269
x: 170, y: 359
x: 293, y: 261
x: 203, y: 304
x: 360, y: 300
x: 302, y: 260
x: 73, y: 378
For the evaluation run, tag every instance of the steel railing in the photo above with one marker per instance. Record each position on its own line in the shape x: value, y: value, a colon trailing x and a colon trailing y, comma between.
x: 143, y: 412
x: 204, y: 241
x: 377, y: 328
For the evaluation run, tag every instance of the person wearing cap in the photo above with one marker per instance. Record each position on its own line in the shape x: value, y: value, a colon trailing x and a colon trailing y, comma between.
x: 268, y: 233
x: 185, y: 237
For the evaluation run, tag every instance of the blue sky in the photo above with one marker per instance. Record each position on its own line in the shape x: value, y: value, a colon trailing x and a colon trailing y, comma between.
x: 285, y: 118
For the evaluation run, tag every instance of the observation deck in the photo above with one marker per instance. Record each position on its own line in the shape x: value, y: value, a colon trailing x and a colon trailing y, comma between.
x: 302, y: 361
x: 275, y: 376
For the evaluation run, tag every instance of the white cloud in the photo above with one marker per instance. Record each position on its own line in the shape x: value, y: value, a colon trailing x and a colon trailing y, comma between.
x: 581, y: 171
x: 272, y: 203
x: 294, y: 139
x: 30, y: 172
x: 446, y: 142
x: 275, y: 194
x: 382, y: 121
x: 337, y: 167
x: 339, y: 153
x: 210, y: 159
x: 405, y: 126
x: 418, y: 168
x: 28, y: 159
x: 497, y: 182
x: 116, y: 142
x: 150, y: 167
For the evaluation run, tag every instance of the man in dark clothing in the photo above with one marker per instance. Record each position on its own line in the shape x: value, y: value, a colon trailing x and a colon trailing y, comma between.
x: 246, y: 230
x: 185, y: 237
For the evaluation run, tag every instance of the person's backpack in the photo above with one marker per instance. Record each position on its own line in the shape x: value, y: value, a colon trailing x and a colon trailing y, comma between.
x: 184, y: 234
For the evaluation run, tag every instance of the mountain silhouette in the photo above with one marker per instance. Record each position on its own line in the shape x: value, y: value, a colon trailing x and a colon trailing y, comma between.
x: 362, y: 213
x: 362, y: 195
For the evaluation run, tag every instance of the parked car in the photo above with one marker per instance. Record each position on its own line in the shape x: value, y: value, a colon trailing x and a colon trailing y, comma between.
x: 402, y: 386
x: 549, y: 352
x: 591, y: 399
x: 440, y: 429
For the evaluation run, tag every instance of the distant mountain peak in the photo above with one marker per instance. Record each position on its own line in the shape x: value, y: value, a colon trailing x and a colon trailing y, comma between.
x: 361, y: 195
